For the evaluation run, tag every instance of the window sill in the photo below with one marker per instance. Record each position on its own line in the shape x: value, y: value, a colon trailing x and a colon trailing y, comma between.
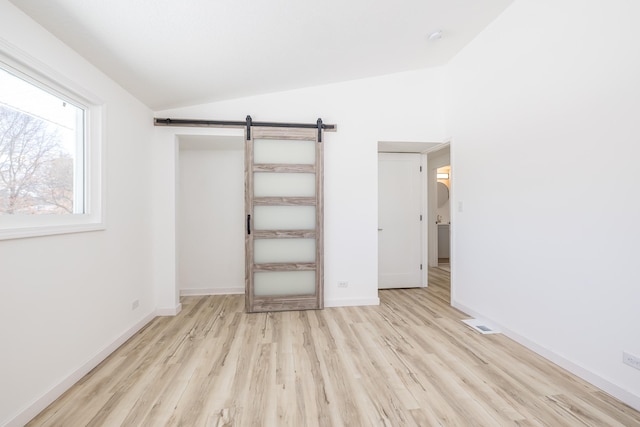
x: 41, y: 231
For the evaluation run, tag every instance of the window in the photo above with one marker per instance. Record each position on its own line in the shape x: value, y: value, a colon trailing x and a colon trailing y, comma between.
x: 49, y: 155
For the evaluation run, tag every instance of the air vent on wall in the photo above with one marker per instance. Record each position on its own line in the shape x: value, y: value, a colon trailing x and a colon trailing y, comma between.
x: 481, y: 326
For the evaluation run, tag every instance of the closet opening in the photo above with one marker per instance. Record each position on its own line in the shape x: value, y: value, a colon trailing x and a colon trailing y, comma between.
x: 209, y: 215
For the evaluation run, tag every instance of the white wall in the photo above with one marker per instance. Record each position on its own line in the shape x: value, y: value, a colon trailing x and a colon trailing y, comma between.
x: 210, y: 230
x: 544, y: 119
x: 65, y: 300
x: 400, y: 107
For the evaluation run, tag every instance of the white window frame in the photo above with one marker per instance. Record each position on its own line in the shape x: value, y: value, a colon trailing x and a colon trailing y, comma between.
x: 40, y: 75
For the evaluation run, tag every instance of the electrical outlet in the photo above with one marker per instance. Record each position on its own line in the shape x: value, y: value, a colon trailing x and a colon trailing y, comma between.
x: 631, y: 360
x: 135, y: 304
x: 343, y: 284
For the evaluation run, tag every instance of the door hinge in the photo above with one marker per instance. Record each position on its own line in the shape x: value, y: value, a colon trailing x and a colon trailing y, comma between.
x: 420, y: 168
x: 420, y: 266
x: 420, y: 217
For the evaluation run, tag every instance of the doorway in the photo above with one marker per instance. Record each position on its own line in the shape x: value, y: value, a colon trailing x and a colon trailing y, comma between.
x: 439, y: 214
x: 440, y: 221
x: 400, y: 195
x: 443, y: 216
x: 418, y: 150
x: 209, y: 215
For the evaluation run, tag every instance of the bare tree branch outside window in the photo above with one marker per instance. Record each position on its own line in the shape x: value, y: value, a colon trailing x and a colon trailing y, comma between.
x: 36, y: 172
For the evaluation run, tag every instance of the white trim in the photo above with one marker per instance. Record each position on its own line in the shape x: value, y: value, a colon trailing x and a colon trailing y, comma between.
x: 169, y: 311
x: 17, y: 58
x: 351, y: 302
x: 19, y: 233
x: 212, y: 291
x: 424, y: 223
x: 438, y: 147
x: 28, y: 413
x: 580, y: 371
x: 46, y: 78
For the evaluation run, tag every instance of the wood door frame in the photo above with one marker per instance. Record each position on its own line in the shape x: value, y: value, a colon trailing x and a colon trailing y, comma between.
x: 286, y: 302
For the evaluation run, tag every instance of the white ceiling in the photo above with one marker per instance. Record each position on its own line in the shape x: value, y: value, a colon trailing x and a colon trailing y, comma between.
x: 171, y: 53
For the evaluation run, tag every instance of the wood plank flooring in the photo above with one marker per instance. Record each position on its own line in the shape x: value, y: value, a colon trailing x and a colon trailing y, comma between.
x: 408, y: 362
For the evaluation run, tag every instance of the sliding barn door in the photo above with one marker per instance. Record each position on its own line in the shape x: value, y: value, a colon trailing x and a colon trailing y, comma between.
x: 284, y: 219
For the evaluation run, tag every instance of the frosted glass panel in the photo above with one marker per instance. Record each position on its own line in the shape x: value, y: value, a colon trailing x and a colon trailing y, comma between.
x: 284, y: 151
x: 284, y: 217
x: 284, y: 250
x: 284, y: 184
x: 274, y: 283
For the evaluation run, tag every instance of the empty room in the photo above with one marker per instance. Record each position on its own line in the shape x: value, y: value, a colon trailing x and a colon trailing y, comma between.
x: 218, y: 213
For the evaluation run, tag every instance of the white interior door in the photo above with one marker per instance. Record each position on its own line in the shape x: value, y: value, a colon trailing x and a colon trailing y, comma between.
x: 399, y: 220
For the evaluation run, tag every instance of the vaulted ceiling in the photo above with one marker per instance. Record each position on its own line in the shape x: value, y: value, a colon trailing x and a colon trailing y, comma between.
x: 170, y: 53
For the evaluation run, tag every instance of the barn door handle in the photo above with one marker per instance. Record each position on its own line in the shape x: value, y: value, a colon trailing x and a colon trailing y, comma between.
x: 248, y: 224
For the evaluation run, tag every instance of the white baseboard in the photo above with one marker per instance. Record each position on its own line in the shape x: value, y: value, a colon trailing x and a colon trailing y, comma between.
x: 212, y: 291
x: 587, y: 375
x: 46, y: 399
x: 351, y: 302
x: 169, y: 311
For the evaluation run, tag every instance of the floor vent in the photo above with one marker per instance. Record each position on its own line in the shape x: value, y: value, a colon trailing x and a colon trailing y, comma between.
x: 481, y: 326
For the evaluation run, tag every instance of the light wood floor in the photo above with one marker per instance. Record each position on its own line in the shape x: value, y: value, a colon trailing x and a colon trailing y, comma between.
x: 408, y: 362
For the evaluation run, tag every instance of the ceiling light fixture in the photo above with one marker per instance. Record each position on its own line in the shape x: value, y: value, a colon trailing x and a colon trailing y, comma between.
x: 435, y: 36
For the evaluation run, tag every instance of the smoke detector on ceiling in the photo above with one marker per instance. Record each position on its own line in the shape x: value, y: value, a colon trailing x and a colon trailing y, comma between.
x: 435, y: 36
